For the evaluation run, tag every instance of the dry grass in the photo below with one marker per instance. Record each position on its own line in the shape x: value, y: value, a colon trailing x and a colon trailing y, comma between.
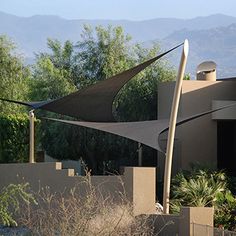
x: 91, y: 215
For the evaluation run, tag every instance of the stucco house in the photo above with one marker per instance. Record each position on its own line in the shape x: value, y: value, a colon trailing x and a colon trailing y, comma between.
x: 210, y: 139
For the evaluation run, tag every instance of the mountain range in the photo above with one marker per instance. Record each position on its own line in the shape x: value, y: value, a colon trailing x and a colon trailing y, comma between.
x: 211, y: 37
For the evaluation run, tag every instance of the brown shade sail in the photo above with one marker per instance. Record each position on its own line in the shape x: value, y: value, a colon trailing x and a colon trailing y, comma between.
x: 93, y: 103
x: 145, y: 132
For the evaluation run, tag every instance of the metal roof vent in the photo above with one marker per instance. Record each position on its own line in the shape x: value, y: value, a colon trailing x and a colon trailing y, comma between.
x: 206, y: 71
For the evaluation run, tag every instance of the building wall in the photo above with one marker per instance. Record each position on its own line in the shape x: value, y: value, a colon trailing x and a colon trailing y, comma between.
x: 197, y: 139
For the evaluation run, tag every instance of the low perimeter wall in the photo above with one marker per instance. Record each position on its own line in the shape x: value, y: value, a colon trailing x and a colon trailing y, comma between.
x: 137, y: 183
x: 183, y: 224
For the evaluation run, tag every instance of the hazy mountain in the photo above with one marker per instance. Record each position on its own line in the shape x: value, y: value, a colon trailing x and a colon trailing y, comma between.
x: 210, y: 37
x: 217, y: 44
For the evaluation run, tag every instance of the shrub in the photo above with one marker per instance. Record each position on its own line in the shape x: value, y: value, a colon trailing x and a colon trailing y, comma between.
x: 11, y: 198
x: 205, y: 188
x: 14, y: 138
x: 225, y: 210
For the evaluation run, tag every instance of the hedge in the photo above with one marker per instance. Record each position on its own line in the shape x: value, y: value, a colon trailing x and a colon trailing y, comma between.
x: 14, y: 138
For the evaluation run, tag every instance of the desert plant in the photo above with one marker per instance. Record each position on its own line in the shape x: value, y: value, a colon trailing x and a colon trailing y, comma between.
x: 205, y: 188
x: 87, y: 213
x: 198, y: 188
x: 11, y: 198
x: 225, y: 210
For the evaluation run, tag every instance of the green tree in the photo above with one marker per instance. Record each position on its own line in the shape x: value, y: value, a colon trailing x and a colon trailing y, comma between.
x: 102, y: 54
x: 14, y: 76
x: 52, y: 74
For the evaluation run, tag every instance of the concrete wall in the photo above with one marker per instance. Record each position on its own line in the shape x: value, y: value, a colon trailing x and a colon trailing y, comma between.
x: 182, y: 224
x: 137, y: 184
x: 198, y: 138
x: 140, y: 187
x: 196, y: 215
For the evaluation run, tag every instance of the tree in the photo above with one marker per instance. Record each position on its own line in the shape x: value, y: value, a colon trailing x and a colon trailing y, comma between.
x: 53, y: 73
x: 102, y: 54
x: 14, y: 76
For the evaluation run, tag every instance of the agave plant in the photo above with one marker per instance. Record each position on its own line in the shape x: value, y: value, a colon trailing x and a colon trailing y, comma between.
x: 197, y: 188
x: 205, y: 188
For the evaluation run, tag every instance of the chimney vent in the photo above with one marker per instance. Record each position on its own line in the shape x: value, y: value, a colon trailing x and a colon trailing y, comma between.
x: 206, y: 71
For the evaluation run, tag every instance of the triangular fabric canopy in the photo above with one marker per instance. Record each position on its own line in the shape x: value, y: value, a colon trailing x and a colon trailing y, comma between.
x: 145, y: 132
x: 93, y: 103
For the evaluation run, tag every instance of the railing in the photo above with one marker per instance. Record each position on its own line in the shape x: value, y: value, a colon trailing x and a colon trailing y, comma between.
x: 207, y: 230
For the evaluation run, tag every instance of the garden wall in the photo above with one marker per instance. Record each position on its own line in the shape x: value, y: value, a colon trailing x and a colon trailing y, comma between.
x: 137, y: 184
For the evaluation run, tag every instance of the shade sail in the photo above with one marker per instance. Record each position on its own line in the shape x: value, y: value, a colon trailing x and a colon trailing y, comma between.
x: 93, y: 103
x: 145, y: 132
x: 33, y: 105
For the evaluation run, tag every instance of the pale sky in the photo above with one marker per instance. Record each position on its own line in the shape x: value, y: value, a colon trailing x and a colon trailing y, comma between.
x: 119, y: 9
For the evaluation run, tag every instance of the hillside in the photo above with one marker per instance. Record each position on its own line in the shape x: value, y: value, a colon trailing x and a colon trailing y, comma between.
x: 211, y: 38
x: 217, y: 44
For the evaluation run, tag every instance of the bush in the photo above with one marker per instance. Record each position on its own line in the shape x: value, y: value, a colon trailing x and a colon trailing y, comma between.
x: 14, y: 138
x: 205, y: 188
x: 225, y: 210
x: 10, y: 199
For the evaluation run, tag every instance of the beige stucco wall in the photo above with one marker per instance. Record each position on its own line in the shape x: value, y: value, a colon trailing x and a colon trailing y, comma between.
x: 141, y: 188
x: 183, y: 224
x: 137, y: 184
x: 197, y: 140
x: 225, y: 114
x: 195, y: 215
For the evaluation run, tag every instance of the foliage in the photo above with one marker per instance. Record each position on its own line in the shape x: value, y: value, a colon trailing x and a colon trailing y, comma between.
x: 52, y: 73
x: 14, y: 76
x: 225, y: 210
x: 11, y: 198
x: 102, y: 54
x: 205, y: 188
x: 14, y: 138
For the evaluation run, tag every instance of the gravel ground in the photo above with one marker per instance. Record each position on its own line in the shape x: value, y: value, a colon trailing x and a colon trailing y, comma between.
x: 14, y: 231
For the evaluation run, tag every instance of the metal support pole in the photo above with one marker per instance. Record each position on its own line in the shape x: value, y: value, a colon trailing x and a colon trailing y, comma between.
x: 172, y: 125
x: 31, y: 139
x: 140, y: 154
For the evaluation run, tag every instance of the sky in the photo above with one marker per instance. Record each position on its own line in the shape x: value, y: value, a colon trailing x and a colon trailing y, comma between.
x: 119, y: 9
